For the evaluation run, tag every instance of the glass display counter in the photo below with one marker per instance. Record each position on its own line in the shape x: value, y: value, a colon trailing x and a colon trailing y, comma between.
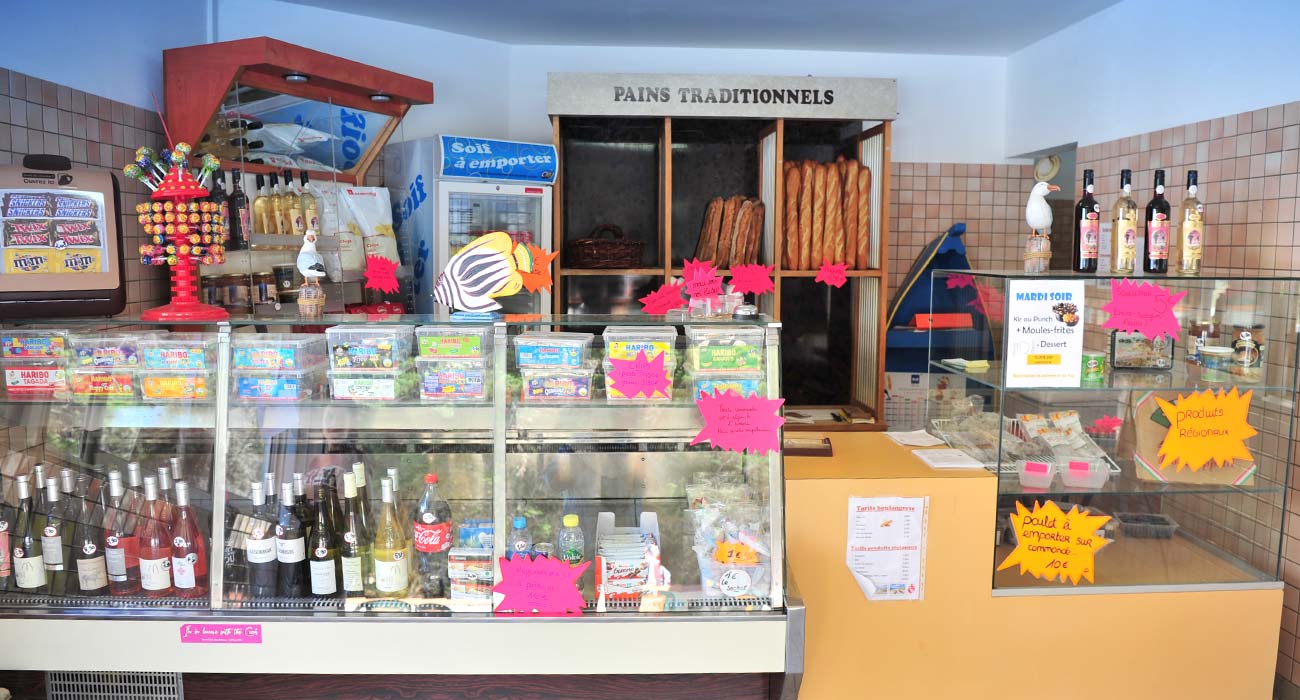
x: 1073, y: 396
x: 379, y: 471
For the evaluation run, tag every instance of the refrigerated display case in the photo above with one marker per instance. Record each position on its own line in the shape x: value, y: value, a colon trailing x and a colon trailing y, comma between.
x: 516, y: 449
x: 1072, y: 410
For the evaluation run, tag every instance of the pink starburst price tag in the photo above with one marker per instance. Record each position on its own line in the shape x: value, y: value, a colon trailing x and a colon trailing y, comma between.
x: 664, y: 299
x: 1144, y: 307
x: 640, y: 377
x: 752, y: 279
x: 539, y: 586
x: 739, y: 424
x: 832, y: 274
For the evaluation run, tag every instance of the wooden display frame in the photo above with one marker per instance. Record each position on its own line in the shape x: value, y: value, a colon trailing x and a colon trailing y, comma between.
x: 868, y: 286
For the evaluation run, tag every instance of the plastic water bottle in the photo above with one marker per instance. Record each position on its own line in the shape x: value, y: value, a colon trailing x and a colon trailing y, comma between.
x: 571, y: 544
x: 521, y: 543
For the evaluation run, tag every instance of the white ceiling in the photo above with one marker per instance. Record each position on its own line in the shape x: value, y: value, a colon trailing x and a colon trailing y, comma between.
x: 965, y: 27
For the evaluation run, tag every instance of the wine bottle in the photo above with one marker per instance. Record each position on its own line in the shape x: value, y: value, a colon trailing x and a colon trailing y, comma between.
x: 404, y: 514
x: 392, y: 567
x: 1191, y: 230
x: 133, y: 499
x: 297, y: 215
x: 39, y: 504
x: 354, y: 547
x: 290, y: 548
x: 121, y: 549
x: 87, y: 545
x: 217, y: 196
x: 323, y: 549
x: 1087, y: 229
x: 262, y: 207
x: 155, y: 543
x: 302, y: 508
x: 7, y: 528
x: 165, y: 497
x: 259, y: 547
x: 1123, y: 229
x: 1155, y: 261
x: 52, y: 531
x: 189, y: 549
x: 28, y: 560
x: 366, y: 518
x: 279, y: 215
x: 307, y: 202
x: 240, y: 217
x: 268, y: 486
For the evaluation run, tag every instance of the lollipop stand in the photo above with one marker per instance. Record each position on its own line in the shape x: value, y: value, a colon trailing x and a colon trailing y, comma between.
x: 185, y: 304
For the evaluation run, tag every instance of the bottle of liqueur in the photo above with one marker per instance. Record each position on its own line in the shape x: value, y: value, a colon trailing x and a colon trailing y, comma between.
x: 189, y: 549
x: 1087, y: 229
x: 323, y: 548
x: 1191, y: 230
x: 290, y: 548
x: 354, y: 542
x: 307, y: 202
x: 1155, y: 261
x: 262, y: 208
x: 52, y: 530
x: 1124, y: 228
x: 28, y: 561
x: 240, y: 217
x: 87, y: 545
x: 121, y: 550
x: 155, y: 543
x: 259, y: 547
x: 392, y: 566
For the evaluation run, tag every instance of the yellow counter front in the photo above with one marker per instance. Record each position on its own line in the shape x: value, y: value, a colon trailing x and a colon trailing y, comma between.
x: 961, y: 641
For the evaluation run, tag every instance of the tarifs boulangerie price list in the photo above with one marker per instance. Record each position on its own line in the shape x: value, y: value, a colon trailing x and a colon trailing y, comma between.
x: 1044, y: 333
x: 886, y: 546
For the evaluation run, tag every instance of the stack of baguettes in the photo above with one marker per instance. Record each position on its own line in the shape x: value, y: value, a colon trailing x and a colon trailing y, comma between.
x: 732, y: 230
x: 827, y: 214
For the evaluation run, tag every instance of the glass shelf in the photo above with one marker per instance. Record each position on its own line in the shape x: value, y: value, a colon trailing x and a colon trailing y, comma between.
x: 1181, y: 377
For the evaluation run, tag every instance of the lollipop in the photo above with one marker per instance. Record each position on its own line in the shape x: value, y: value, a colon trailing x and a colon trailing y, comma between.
x: 180, y: 155
x: 135, y: 172
x: 144, y: 157
x: 210, y: 164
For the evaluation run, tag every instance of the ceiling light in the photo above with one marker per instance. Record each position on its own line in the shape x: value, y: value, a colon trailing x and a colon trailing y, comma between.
x: 295, y: 78
x: 380, y: 97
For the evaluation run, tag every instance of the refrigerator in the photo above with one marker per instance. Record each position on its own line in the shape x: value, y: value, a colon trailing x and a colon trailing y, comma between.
x: 447, y: 191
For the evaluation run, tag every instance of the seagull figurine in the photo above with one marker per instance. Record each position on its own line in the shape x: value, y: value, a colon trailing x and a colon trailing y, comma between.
x: 310, y: 262
x: 1038, y: 214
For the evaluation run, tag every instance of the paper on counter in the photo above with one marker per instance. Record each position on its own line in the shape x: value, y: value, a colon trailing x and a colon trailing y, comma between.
x: 886, y: 546
x: 914, y: 438
x: 948, y: 459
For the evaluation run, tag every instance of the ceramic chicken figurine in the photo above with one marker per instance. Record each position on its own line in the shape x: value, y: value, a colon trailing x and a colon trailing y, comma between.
x: 1038, y: 214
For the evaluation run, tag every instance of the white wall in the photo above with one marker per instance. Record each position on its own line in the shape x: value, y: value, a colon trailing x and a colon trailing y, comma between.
x: 1209, y: 60
x: 110, y: 49
x: 951, y: 108
x: 468, y: 74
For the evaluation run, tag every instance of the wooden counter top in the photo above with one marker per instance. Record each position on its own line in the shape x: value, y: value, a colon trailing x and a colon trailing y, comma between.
x: 870, y: 456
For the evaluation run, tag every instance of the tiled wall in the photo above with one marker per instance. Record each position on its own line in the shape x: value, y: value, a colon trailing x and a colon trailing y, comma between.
x: 37, y: 116
x: 1248, y: 166
x: 927, y: 198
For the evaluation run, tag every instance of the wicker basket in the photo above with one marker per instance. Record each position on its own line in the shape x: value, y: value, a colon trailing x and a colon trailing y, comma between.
x: 311, y: 301
x: 599, y: 252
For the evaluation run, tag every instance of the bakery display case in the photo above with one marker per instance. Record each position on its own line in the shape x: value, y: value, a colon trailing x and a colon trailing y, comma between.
x: 1164, y: 403
x: 379, y: 472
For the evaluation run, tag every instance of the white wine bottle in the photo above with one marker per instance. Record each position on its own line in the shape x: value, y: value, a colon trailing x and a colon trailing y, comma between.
x: 1124, y: 228
x: 1191, y: 231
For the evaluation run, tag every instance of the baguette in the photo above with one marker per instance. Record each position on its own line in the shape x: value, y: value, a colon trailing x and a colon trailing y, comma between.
x: 728, y: 225
x: 840, y: 165
x: 833, y: 240
x: 791, y: 217
x: 755, y: 233
x: 806, y: 177
x: 819, y: 214
x: 851, y: 214
x: 864, y: 217
x: 739, y: 236
x: 709, y: 233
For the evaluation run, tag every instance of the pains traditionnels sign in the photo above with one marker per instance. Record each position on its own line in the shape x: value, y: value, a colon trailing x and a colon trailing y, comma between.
x: 649, y: 94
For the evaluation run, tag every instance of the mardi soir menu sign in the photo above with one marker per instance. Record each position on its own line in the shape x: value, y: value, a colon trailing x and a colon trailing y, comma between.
x: 1044, y: 333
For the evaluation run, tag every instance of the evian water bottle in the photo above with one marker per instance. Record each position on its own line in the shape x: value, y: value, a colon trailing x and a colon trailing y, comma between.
x: 432, y: 540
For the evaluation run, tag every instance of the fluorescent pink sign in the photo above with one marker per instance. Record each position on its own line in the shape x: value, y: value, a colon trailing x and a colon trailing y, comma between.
x: 1144, y: 307
x: 210, y: 633
x: 832, y: 274
x: 539, y: 586
x: 739, y: 424
x: 752, y: 279
x: 639, y: 376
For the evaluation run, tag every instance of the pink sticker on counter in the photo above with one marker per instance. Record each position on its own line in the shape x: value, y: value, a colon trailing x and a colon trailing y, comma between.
x: 195, y: 633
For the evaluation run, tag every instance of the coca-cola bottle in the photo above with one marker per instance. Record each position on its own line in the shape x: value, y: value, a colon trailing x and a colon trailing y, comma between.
x: 432, y: 540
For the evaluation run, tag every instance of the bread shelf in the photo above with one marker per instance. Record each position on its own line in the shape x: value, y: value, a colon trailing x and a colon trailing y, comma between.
x: 785, y: 274
x: 597, y: 272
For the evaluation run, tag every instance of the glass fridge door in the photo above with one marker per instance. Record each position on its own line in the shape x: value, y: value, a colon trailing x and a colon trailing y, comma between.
x: 523, y: 211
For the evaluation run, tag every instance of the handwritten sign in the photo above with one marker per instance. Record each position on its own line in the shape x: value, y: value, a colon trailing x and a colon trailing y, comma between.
x: 1052, y: 544
x: 381, y: 274
x: 702, y: 280
x: 752, y: 279
x: 664, y: 299
x: 1144, y: 307
x: 639, y: 376
x: 539, y: 586
x: 192, y: 633
x: 1205, y: 427
x: 739, y: 424
x: 832, y: 274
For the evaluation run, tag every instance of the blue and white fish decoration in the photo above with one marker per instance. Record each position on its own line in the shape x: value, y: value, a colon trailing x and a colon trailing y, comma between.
x: 489, y: 267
